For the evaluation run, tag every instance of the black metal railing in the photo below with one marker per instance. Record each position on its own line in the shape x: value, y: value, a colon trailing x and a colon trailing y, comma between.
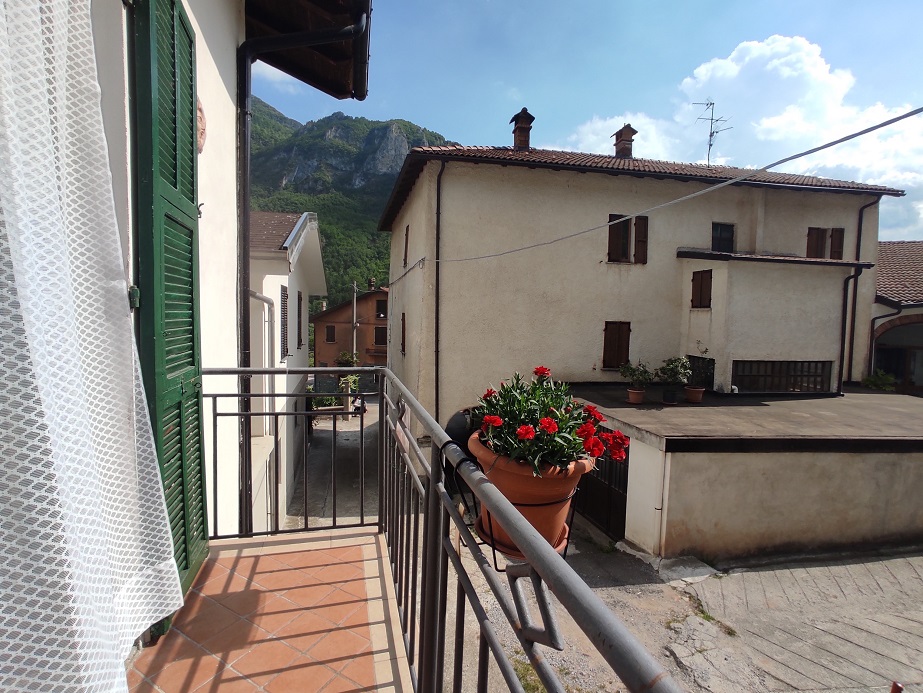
x: 431, y: 547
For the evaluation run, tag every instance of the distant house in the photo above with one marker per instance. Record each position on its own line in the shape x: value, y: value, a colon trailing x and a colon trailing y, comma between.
x: 286, y: 269
x: 897, y: 325
x: 333, y: 332
x: 767, y: 284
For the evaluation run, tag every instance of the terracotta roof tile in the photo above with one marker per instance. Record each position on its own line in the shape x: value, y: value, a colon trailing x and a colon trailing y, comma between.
x: 900, y: 271
x: 268, y: 230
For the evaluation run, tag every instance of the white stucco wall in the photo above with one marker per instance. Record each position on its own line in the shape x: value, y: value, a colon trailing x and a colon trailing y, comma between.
x: 646, y: 480
x: 722, y: 504
x: 548, y: 305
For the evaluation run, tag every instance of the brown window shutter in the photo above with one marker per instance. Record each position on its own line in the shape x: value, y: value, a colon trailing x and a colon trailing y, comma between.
x: 836, y: 244
x: 330, y: 333
x: 403, y: 333
x: 615, y: 344
x: 283, y: 322
x: 816, y: 238
x: 618, y: 239
x: 641, y: 240
x: 406, y: 243
x: 696, y: 289
x: 300, y: 310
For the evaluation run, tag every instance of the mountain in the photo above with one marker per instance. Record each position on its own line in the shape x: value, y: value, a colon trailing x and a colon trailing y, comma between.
x: 341, y: 167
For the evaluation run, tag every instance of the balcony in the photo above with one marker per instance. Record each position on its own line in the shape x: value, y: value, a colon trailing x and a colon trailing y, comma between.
x: 365, y: 575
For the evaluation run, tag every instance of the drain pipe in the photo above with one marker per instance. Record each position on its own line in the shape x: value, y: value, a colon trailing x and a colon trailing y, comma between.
x: 855, y: 293
x: 272, y: 336
x: 871, y: 366
x: 851, y: 277
x: 247, y: 52
x: 437, y: 263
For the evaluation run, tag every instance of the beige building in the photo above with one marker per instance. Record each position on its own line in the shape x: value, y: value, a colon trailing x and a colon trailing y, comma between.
x: 503, y: 258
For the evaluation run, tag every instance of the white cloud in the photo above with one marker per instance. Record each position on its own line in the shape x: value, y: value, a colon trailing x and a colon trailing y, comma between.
x: 781, y: 97
x: 276, y: 79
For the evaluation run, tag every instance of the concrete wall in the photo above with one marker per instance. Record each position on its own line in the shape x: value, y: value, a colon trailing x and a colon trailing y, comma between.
x: 548, y: 305
x: 720, y: 505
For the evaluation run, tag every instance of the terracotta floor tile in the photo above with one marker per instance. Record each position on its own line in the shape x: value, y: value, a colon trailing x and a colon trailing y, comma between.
x: 309, y: 595
x: 305, y: 631
x: 345, y: 553
x: 361, y: 670
x: 265, y: 662
x: 342, y: 684
x: 337, y: 606
x: 234, y: 642
x: 209, y: 571
x: 229, y: 682
x: 303, y: 675
x: 307, y: 559
x: 275, y: 613
x: 335, y: 574
x: 285, y: 579
x: 172, y: 647
x: 339, y: 647
x: 244, y: 602
x: 251, y: 566
x: 356, y: 587
x: 145, y: 687
x: 224, y: 584
x: 188, y: 674
x: 207, y: 622
x: 134, y: 678
x: 358, y: 622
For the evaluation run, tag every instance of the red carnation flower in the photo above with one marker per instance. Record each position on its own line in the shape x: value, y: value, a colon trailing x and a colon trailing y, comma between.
x: 491, y: 420
x: 490, y: 393
x: 525, y: 433
x: 542, y: 372
x: 593, y: 413
x: 548, y: 425
x: 594, y: 446
x: 586, y: 430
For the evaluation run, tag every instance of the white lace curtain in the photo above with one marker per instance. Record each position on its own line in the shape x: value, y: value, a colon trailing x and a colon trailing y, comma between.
x: 86, y: 559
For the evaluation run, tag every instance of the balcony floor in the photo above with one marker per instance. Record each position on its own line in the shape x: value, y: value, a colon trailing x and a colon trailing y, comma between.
x: 283, y: 614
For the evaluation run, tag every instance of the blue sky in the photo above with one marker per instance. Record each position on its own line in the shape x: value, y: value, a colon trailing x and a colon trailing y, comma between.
x: 787, y: 75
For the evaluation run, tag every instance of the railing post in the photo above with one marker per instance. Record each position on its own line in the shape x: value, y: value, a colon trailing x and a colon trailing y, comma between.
x: 431, y: 596
x: 382, y: 449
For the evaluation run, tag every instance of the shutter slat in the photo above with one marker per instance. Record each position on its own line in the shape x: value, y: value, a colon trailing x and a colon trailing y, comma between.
x: 836, y: 243
x: 641, y: 240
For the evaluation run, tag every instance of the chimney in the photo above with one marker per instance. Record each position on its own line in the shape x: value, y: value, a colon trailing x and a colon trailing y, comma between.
x: 371, y: 283
x: 522, y: 125
x: 623, y: 140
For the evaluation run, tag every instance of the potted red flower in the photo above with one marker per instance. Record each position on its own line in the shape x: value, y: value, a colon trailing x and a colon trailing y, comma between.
x: 534, y: 443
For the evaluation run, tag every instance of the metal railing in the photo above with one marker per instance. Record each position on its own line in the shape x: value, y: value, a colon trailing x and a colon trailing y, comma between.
x: 431, y: 545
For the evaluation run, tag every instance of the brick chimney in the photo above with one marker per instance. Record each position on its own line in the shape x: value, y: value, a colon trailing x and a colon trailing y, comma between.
x: 623, y: 140
x: 522, y: 124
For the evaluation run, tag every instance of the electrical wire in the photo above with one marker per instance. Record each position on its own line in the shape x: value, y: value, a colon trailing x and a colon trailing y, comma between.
x: 706, y: 191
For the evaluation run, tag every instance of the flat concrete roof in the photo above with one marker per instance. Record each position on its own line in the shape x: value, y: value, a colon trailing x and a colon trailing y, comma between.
x: 859, y: 421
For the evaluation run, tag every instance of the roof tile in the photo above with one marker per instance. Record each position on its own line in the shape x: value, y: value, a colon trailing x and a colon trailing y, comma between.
x: 900, y: 271
x: 268, y: 230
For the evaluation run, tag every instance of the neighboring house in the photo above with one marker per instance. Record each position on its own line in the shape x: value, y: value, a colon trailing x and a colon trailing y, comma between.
x: 333, y: 331
x: 286, y: 269
x: 772, y: 275
x: 898, y: 315
x: 136, y: 111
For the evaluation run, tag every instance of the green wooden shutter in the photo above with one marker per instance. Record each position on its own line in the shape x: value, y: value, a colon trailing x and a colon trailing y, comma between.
x: 167, y: 228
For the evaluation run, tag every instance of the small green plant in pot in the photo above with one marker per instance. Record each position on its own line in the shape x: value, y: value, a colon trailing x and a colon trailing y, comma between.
x: 638, y: 377
x: 534, y: 442
x: 673, y: 373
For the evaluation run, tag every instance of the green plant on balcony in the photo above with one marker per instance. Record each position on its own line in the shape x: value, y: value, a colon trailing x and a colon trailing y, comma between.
x: 639, y: 377
x: 674, y: 372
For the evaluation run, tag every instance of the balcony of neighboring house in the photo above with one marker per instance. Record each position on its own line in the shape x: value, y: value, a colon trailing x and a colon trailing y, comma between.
x: 362, y: 572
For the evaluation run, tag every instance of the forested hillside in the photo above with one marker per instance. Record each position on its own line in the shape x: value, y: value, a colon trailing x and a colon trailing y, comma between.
x: 341, y: 167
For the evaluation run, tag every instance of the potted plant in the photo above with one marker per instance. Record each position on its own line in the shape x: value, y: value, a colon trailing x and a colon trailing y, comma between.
x: 673, y: 372
x: 534, y: 441
x: 638, y: 377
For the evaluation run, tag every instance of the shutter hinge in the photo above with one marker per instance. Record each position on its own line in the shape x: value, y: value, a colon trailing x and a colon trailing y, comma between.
x: 134, y: 297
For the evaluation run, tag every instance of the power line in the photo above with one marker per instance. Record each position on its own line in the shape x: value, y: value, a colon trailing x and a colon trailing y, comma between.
x: 710, y: 189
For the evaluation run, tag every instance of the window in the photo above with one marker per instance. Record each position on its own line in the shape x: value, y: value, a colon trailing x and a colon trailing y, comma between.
x: 406, y: 243
x: 300, y: 328
x: 403, y: 333
x: 722, y: 237
x: 381, y: 336
x: 615, y: 344
x: 620, y: 239
x: 701, y: 289
x: 283, y: 322
x: 330, y: 333
x: 818, y: 246
x: 381, y: 308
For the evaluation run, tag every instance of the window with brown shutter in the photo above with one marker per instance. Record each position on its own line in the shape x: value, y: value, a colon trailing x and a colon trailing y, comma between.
x: 406, y: 243
x: 330, y: 333
x: 283, y: 322
x: 381, y: 336
x: 836, y: 244
x: 615, y: 344
x: 619, y: 239
x: 403, y: 333
x: 300, y: 328
x: 640, y: 240
x: 817, y: 241
x: 701, y: 289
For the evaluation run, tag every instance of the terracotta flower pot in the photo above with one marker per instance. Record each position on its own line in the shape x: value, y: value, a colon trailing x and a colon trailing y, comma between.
x: 544, y: 501
x: 635, y: 396
x: 694, y: 394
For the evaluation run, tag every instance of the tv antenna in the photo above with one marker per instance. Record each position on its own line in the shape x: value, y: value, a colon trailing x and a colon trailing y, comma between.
x: 714, y: 124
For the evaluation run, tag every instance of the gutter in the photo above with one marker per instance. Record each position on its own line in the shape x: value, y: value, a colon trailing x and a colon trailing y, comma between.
x: 437, y: 263
x: 247, y: 52
x: 855, y: 292
x: 843, y: 320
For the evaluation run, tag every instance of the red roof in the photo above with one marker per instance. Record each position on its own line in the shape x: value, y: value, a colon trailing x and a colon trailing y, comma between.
x: 608, y: 164
x: 900, y: 271
x: 269, y: 230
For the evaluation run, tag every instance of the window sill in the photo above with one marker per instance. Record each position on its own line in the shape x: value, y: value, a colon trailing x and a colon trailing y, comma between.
x: 700, y: 308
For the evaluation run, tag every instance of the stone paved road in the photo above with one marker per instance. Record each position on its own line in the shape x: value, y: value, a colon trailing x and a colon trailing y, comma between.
x: 844, y: 625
